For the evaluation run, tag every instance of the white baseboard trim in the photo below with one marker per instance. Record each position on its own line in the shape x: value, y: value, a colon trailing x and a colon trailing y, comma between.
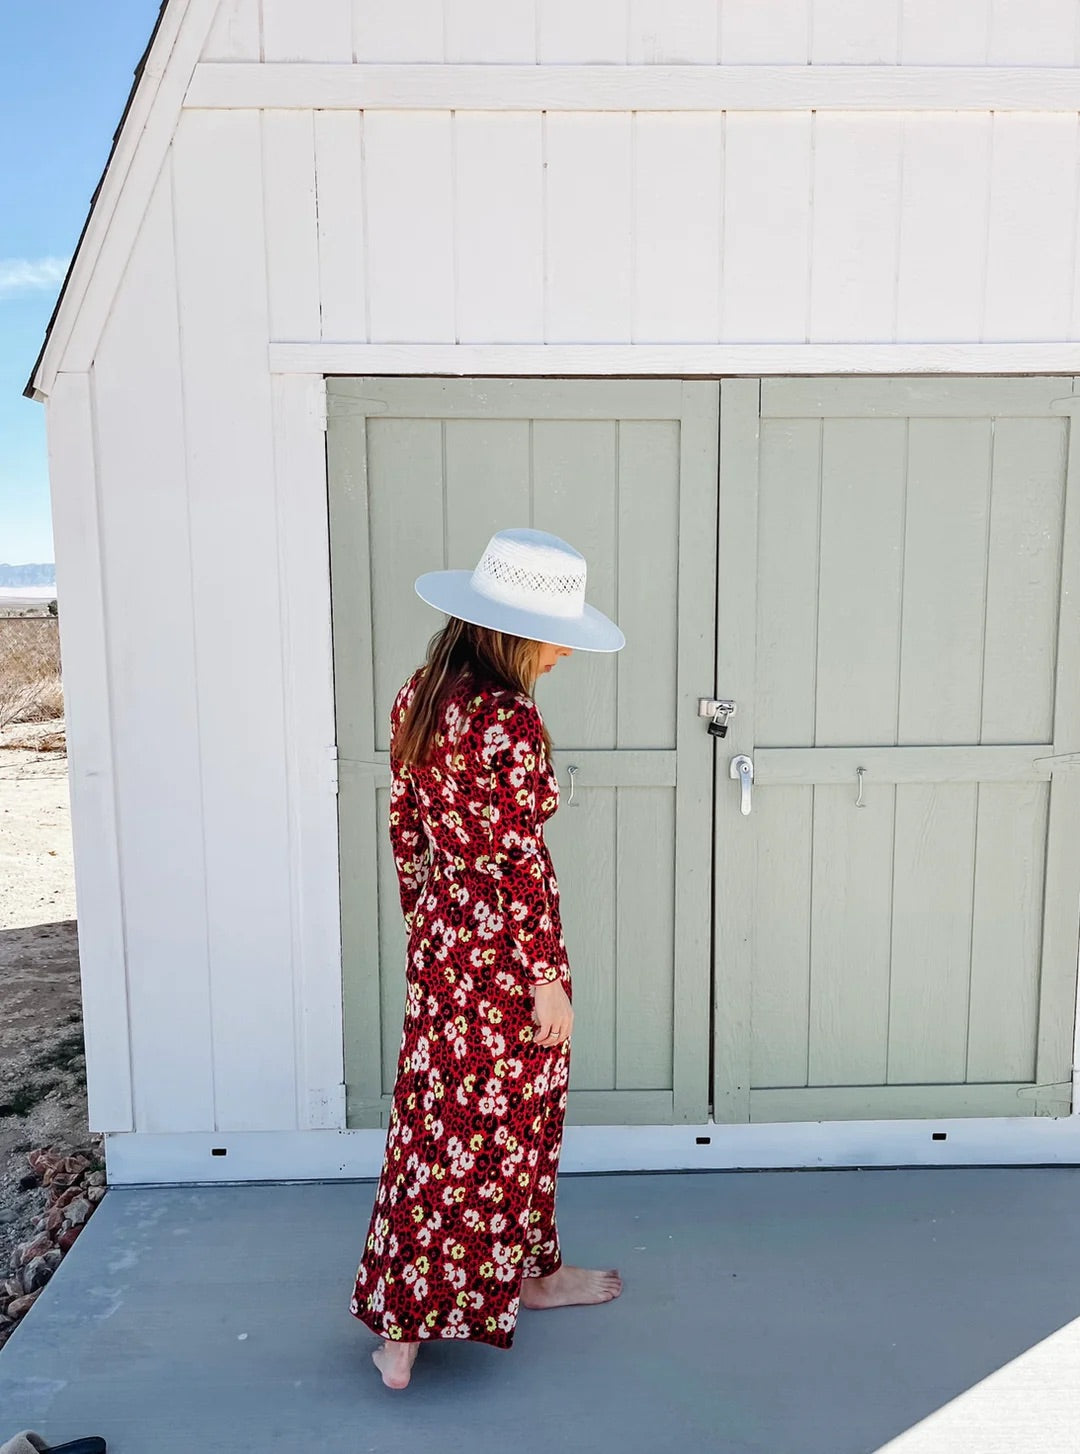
x: 137, y: 1158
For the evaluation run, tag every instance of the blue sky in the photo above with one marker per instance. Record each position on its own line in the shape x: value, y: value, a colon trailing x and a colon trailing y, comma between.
x: 65, y: 71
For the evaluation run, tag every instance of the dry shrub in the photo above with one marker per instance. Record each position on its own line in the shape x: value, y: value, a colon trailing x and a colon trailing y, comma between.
x: 30, y: 686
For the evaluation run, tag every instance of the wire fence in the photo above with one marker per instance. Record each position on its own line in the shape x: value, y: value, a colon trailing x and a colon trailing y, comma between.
x: 30, y: 684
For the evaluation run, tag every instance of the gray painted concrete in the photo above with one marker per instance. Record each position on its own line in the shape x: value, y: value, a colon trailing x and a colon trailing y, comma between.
x: 763, y: 1313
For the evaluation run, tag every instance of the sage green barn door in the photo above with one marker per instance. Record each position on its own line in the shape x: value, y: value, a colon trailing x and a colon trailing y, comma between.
x: 422, y: 472
x: 899, y: 588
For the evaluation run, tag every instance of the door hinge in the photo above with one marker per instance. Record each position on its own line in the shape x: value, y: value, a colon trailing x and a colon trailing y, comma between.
x: 335, y: 777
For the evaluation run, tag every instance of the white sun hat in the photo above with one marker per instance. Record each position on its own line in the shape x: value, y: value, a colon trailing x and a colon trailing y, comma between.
x: 527, y: 583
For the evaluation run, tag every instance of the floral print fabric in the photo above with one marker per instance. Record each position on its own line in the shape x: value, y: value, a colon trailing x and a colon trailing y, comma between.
x: 465, y: 1206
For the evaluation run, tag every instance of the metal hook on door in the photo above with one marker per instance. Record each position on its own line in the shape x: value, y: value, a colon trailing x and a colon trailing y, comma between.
x: 571, y: 771
x: 858, y: 801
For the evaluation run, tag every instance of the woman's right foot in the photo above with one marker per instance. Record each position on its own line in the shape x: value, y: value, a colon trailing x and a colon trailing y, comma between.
x: 394, y: 1361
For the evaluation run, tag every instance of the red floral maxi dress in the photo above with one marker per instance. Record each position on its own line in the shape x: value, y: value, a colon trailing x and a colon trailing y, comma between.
x: 465, y: 1206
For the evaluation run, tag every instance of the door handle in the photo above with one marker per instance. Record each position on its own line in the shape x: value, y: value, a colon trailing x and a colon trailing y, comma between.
x: 743, y: 768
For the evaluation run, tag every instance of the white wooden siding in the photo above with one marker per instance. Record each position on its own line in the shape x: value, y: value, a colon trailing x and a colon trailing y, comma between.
x: 585, y: 227
x: 734, y: 32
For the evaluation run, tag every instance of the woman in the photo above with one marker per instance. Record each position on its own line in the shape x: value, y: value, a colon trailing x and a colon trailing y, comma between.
x: 462, y: 1233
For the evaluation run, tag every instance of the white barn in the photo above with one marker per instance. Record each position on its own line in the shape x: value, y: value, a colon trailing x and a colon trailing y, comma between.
x: 771, y: 307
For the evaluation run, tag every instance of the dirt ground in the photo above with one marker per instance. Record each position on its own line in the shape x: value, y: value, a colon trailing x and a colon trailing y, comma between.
x: 42, y: 1067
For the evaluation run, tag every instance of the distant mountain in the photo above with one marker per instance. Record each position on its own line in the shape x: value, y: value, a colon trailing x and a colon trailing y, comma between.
x: 27, y: 575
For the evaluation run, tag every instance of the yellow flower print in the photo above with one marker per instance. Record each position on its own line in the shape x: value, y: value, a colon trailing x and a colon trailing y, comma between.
x: 411, y: 1102
x: 511, y: 1143
x: 457, y: 1252
x: 438, y: 1172
x: 495, y: 1015
x: 515, y: 1255
x: 432, y: 1318
x: 476, y: 1141
x: 462, y: 1299
x: 461, y: 1024
x: 523, y: 1180
x: 418, y: 1214
x: 422, y: 1264
x: 491, y: 1325
x: 487, y: 1269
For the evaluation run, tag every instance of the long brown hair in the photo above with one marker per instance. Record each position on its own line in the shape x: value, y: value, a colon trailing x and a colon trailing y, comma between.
x: 463, y: 654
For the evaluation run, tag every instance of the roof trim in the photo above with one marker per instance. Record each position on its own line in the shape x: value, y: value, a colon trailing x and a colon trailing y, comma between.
x: 193, y: 19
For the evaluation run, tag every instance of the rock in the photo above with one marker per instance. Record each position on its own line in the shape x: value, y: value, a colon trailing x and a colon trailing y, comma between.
x: 76, y: 1212
x: 27, y: 1251
x: 36, y: 1274
x: 66, y: 1239
x: 20, y: 1305
x: 68, y: 1196
x: 53, y: 1256
x: 30, y: 1180
x: 55, y: 1220
x: 76, y: 1164
x: 11, y: 1287
x: 57, y: 1179
x: 95, y: 1193
x: 96, y: 1178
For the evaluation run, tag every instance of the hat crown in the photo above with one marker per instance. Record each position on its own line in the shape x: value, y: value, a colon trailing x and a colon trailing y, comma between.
x: 532, y: 570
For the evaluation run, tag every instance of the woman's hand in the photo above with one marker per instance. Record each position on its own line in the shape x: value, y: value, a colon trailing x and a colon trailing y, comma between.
x: 553, y: 1014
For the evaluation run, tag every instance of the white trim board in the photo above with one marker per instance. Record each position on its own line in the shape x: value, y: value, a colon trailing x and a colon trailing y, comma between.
x: 678, y: 360
x: 227, y: 84
x: 145, y: 1158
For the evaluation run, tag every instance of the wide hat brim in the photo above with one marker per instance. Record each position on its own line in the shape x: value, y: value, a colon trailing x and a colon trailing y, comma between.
x: 452, y: 591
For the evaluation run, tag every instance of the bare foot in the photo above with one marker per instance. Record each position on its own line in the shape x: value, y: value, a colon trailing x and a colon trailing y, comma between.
x: 568, y: 1286
x: 394, y: 1361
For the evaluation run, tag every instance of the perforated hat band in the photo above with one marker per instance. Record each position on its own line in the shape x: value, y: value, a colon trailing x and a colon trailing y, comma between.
x: 545, y: 586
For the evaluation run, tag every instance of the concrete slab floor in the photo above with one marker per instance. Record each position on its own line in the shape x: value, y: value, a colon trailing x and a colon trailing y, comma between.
x: 823, y: 1312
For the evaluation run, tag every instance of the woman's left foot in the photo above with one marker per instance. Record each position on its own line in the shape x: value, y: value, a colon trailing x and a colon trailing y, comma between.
x: 570, y: 1286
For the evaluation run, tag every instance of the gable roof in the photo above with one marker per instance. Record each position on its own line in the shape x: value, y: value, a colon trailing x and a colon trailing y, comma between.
x: 163, y: 59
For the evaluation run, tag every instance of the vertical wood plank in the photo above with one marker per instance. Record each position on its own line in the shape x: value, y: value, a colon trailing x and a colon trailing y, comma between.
x: 944, y: 589
x: 339, y: 185
x: 575, y: 495
x: 780, y: 990
x: 1055, y: 1053
x: 140, y: 440
x: 372, y: 934
x: 943, y: 227
x: 673, y: 32
x: 318, y: 30
x: 1032, y: 33
x: 303, y: 532
x: 407, y: 512
x: 647, y: 546
x: 1032, y: 244
x: 644, y: 932
x: 221, y: 270
x: 490, y: 31
x: 1027, y: 506
x: 931, y: 938
x: 863, y: 466
x: 409, y: 226
x: 499, y: 215
x: 91, y: 777
x: 954, y: 35
x: 766, y: 272
x: 1007, y: 931
x: 388, y: 31
x: 849, y: 934
x: 855, y: 226
x: 735, y: 881
x: 292, y: 234
x: 850, y: 32
x: 678, y: 181
x: 575, y: 34
x: 236, y: 34
x: 699, y: 437
x: 765, y: 32
x: 788, y: 533
x: 589, y: 225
